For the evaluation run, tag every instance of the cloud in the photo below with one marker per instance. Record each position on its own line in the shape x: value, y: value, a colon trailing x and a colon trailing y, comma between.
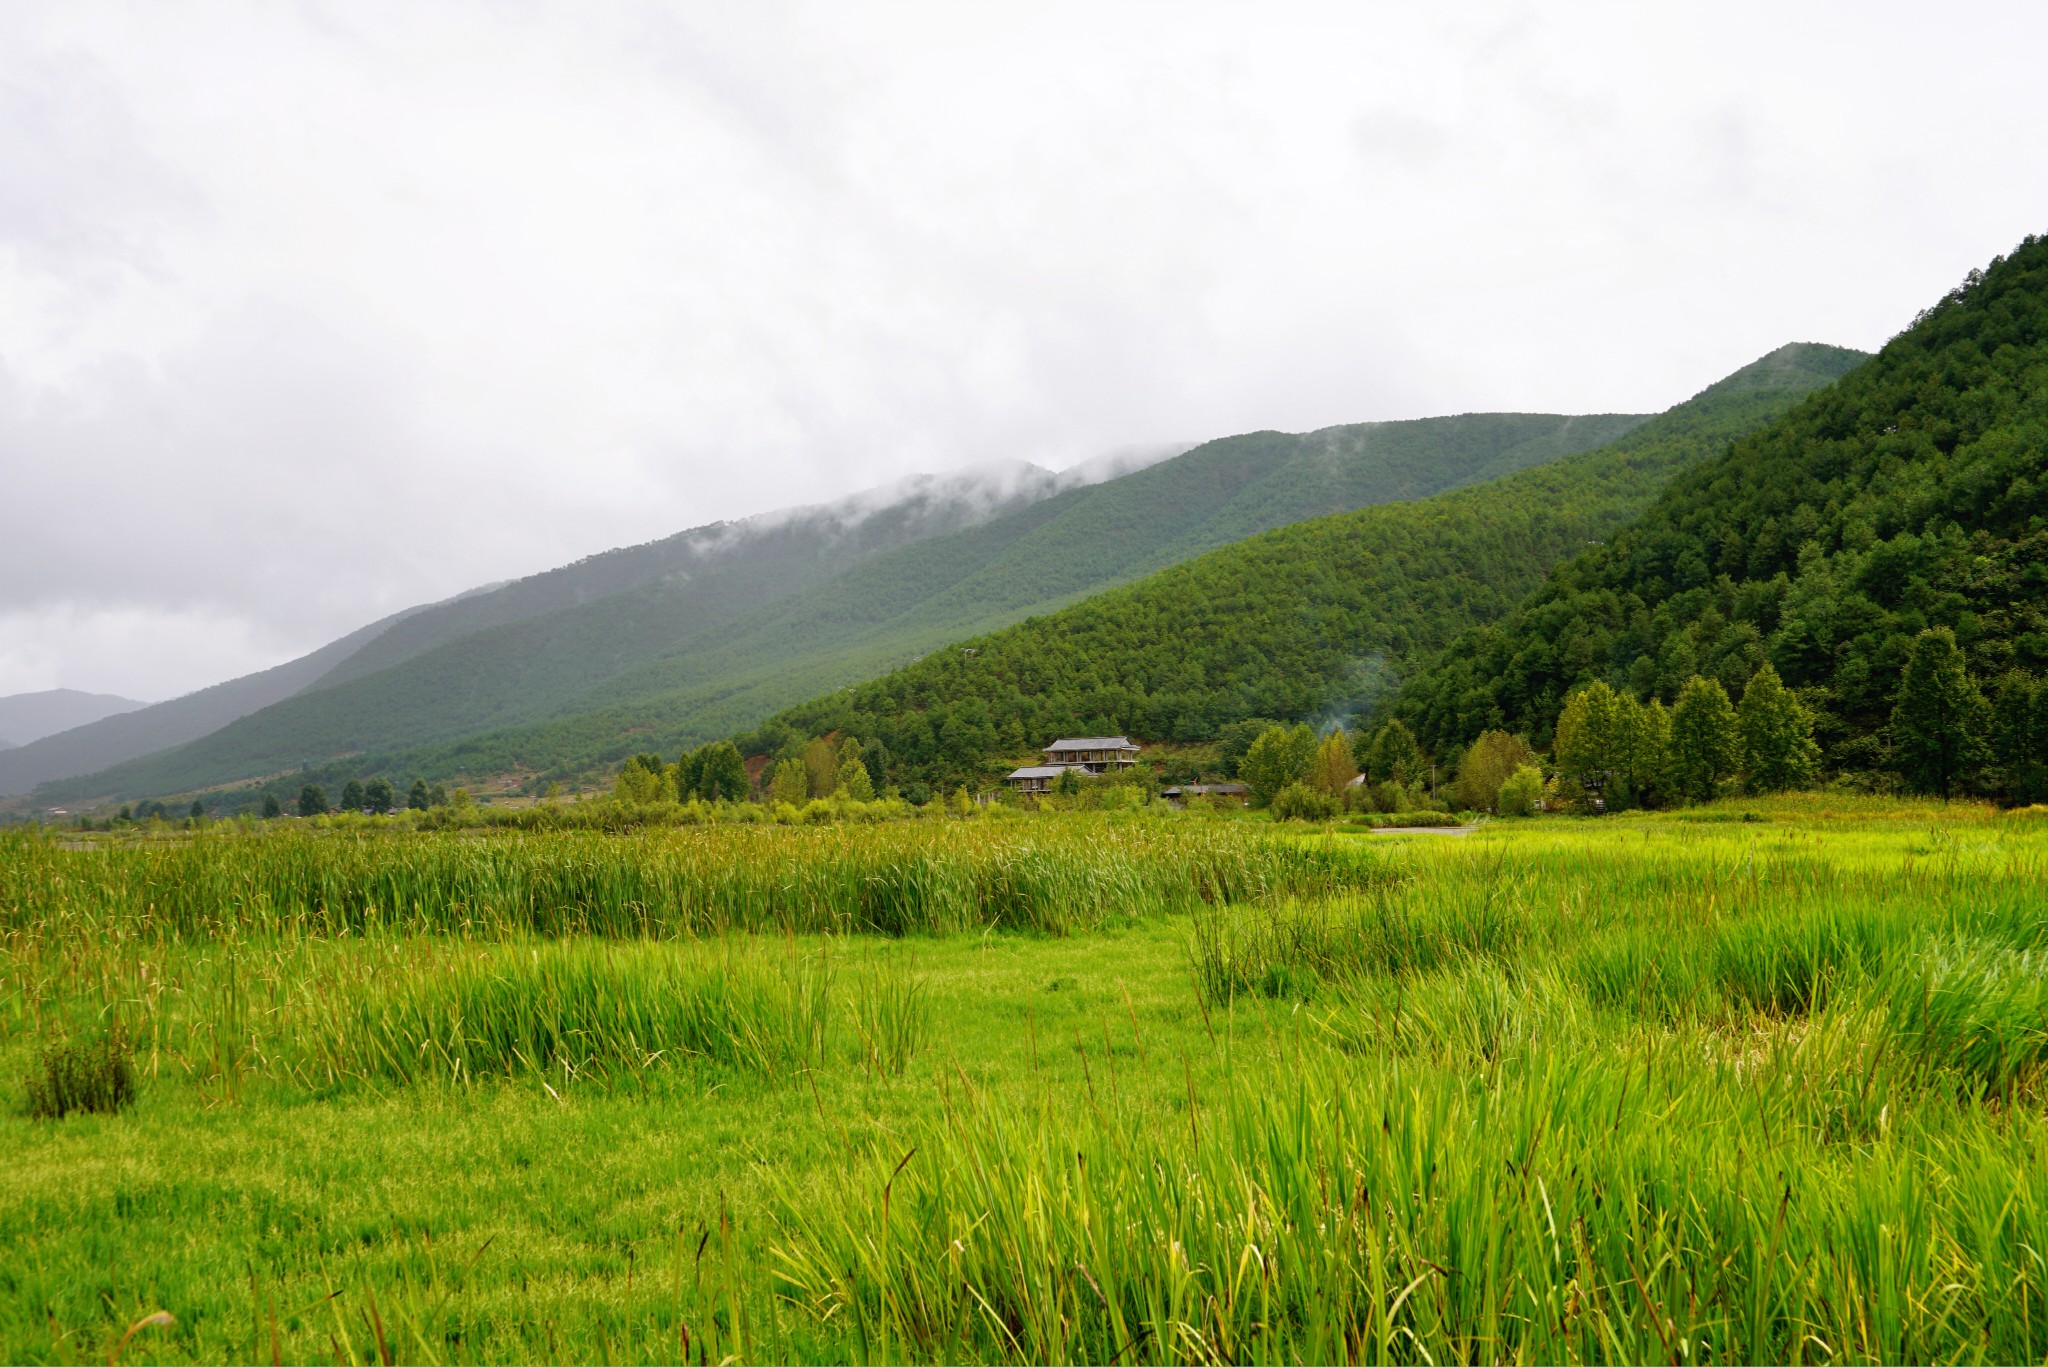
x: 311, y: 312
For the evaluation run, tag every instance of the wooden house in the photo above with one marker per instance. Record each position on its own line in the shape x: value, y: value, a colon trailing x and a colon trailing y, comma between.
x: 1038, y: 778
x: 1096, y: 754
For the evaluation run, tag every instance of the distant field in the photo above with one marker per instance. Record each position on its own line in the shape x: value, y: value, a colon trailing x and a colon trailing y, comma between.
x: 1760, y: 1081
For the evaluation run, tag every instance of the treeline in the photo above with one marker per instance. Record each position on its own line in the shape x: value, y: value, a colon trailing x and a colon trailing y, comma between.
x: 1911, y: 496
x: 1311, y: 619
x: 1612, y: 751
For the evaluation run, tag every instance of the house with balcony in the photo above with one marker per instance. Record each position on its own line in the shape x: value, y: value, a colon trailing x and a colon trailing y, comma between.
x: 1096, y: 754
x: 1079, y: 754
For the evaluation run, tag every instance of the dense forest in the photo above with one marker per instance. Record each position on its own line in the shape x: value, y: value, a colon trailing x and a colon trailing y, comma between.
x: 1912, y: 495
x: 1310, y: 620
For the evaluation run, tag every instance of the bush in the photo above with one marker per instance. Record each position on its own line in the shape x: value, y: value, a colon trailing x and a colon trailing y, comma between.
x: 1522, y: 790
x: 1393, y: 820
x: 81, y: 1075
x: 1299, y: 802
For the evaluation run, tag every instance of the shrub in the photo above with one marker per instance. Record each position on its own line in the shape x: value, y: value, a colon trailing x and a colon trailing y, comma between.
x: 1299, y: 802
x: 1520, y: 793
x: 1396, y: 820
x: 81, y: 1075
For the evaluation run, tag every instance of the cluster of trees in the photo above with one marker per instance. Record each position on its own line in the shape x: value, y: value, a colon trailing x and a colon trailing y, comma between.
x: 1911, y: 495
x: 717, y: 772
x: 710, y: 773
x: 376, y: 796
x: 1633, y: 752
x: 1947, y: 737
x: 1300, y: 773
x: 850, y: 770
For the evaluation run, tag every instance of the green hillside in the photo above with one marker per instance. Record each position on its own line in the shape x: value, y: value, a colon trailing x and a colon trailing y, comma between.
x: 680, y: 659
x: 1314, y: 618
x: 681, y: 583
x: 1914, y: 494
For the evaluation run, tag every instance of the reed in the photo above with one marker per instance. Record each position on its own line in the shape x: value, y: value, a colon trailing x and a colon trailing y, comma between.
x: 1050, y: 877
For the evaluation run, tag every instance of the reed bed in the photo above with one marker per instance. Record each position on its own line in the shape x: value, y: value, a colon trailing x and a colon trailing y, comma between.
x: 1052, y: 877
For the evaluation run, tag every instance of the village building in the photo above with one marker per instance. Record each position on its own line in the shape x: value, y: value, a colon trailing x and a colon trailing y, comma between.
x: 1081, y: 755
x: 1096, y: 754
x: 1039, y: 778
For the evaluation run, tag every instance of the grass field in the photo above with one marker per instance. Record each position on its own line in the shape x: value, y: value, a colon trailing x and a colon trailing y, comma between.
x: 1685, y: 1086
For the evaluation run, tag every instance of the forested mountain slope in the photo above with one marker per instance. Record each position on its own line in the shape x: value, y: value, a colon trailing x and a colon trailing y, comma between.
x: 705, y: 575
x: 637, y: 596
x: 1913, y: 494
x: 591, y: 681
x: 1314, y: 618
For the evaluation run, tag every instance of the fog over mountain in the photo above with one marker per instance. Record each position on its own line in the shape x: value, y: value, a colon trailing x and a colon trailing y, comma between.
x: 311, y: 313
x: 26, y: 717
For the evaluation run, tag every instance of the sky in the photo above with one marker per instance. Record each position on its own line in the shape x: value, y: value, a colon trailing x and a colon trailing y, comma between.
x: 310, y: 312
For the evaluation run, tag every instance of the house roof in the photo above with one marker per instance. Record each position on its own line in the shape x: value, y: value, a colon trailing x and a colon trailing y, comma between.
x: 1226, y: 789
x: 1041, y: 770
x: 1092, y: 743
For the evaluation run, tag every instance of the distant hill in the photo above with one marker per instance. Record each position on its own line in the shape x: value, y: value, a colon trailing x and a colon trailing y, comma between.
x: 1316, y: 618
x: 1913, y: 494
x: 700, y: 577
x: 573, y: 689
x: 26, y: 717
x: 147, y: 729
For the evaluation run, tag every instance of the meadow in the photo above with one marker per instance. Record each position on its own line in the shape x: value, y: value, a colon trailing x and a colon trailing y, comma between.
x: 1755, y: 1081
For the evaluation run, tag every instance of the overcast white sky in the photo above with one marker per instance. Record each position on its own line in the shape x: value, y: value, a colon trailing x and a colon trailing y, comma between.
x: 309, y: 312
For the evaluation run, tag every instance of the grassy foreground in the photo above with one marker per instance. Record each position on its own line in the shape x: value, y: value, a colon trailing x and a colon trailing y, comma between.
x: 1685, y: 1087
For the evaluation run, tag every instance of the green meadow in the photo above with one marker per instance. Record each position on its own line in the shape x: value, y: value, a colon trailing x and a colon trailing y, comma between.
x: 1754, y: 1081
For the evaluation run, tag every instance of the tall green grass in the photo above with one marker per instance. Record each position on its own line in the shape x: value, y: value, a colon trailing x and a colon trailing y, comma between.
x: 1054, y: 876
x: 561, y: 1011
x: 1578, y: 1205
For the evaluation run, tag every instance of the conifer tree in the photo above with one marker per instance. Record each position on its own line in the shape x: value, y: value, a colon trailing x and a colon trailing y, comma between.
x: 1778, y: 751
x: 723, y: 774
x: 821, y: 767
x: 417, y: 797
x: 1642, y: 745
x: 352, y: 796
x: 2019, y: 737
x: 1939, y: 720
x: 853, y: 773
x: 874, y: 757
x: 271, y: 806
x: 312, y: 801
x: 1392, y: 754
x: 790, y: 782
x: 1706, y: 748
x: 1587, y: 735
